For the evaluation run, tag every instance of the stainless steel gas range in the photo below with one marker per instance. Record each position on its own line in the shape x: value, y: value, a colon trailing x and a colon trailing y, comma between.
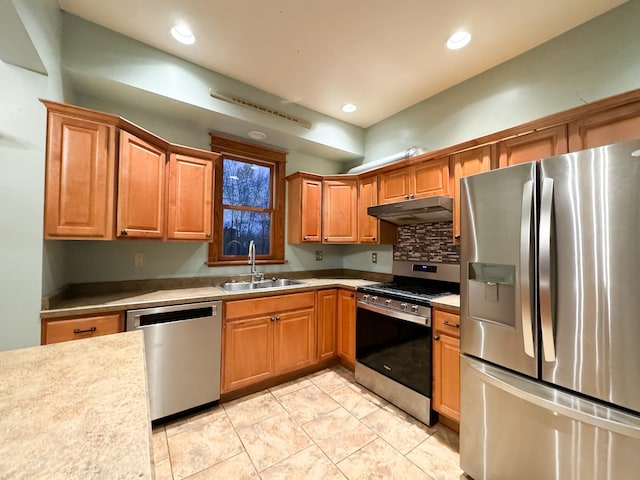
x: 393, y: 334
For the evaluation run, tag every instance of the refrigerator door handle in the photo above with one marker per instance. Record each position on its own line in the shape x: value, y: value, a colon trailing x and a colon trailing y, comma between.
x: 525, y: 268
x: 559, y: 403
x: 546, y: 317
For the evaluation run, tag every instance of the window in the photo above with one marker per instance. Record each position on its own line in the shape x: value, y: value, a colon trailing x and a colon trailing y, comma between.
x: 250, y: 202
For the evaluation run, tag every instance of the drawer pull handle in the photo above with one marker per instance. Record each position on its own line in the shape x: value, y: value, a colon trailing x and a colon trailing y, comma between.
x: 88, y: 330
x: 451, y: 324
x: 436, y: 337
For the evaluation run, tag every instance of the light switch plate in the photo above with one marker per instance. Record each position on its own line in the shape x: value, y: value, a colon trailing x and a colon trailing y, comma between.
x: 374, y: 257
x: 318, y: 255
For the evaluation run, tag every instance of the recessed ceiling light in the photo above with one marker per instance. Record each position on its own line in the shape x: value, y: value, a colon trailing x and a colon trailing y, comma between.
x: 458, y: 40
x: 256, y: 135
x: 349, y: 107
x: 183, y: 34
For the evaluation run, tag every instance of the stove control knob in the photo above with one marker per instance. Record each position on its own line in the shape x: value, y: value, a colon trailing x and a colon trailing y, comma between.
x: 374, y: 299
x: 387, y: 302
x: 365, y: 297
x: 414, y: 308
x: 403, y: 306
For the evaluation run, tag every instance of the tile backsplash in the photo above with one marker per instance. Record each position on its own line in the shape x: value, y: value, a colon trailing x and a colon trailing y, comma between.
x: 427, y: 242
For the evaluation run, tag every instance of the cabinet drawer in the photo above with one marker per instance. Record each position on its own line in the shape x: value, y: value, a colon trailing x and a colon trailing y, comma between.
x: 266, y: 305
x: 446, y: 322
x: 84, y: 327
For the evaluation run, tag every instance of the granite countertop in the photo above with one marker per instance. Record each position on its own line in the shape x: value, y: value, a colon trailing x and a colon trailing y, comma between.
x: 76, y: 410
x: 118, y: 301
x: 449, y: 302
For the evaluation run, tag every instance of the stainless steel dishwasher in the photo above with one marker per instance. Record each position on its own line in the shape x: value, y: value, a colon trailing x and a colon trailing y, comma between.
x: 182, y: 349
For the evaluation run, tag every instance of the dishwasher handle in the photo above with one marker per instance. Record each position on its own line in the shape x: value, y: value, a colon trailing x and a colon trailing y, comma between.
x: 175, y: 313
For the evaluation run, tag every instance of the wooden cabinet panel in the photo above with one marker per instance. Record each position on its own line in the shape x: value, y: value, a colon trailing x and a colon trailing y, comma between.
x: 326, y: 312
x: 340, y: 210
x: 79, y: 191
x: 141, y: 187
x: 446, y: 363
x: 533, y: 146
x: 248, y: 352
x: 190, y: 195
x: 446, y: 374
x: 304, y: 208
x: 294, y: 345
x: 467, y: 163
x: 347, y: 327
x: 370, y: 229
x: 62, y: 330
x: 611, y: 126
x: 431, y: 178
x: 267, y: 337
x: 395, y: 185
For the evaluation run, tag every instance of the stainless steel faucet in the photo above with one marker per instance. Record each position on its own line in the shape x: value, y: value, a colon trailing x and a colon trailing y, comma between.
x: 255, y: 276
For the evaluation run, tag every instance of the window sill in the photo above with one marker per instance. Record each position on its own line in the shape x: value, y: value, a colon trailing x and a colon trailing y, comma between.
x: 223, y: 263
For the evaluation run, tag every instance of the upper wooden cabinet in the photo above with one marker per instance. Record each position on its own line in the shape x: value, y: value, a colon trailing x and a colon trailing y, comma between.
x: 340, y: 211
x: 424, y: 179
x: 610, y: 126
x: 141, y: 188
x: 304, y: 200
x: 533, y: 146
x: 162, y: 191
x: 370, y: 229
x: 467, y: 163
x: 79, y: 178
x: 190, y: 194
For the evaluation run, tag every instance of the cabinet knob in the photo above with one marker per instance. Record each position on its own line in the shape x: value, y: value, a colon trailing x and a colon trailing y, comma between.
x: 352, y: 295
x: 406, y: 197
x: 411, y: 195
x: 273, y: 319
x: 373, y: 238
x: 457, y: 237
x: 123, y: 233
x: 208, y: 235
x: 304, y: 238
x: 277, y: 317
x: 326, y: 238
x: 436, y: 337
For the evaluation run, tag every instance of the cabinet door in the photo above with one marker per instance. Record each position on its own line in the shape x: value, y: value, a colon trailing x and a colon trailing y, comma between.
x: 533, y: 146
x: 190, y: 192
x: 367, y: 197
x: 141, y: 187
x: 247, y: 352
x: 431, y: 178
x: 57, y: 330
x: 311, y: 211
x: 79, y: 198
x: 294, y: 340
x: 326, y: 311
x: 347, y: 327
x: 340, y: 211
x: 615, y: 125
x: 464, y: 164
x: 446, y: 375
x: 395, y: 186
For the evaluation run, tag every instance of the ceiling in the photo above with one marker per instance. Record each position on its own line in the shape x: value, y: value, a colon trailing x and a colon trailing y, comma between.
x: 382, y: 55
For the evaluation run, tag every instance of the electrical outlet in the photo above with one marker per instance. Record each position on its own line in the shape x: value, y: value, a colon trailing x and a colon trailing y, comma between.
x: 374, y: 257
x: 318, y: 255
x: 138, y: 259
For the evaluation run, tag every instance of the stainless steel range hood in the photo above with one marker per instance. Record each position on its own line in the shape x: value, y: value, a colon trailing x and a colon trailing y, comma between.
x: 419, y: 210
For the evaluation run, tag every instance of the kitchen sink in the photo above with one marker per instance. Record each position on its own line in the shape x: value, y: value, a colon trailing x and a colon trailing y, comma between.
x: 271, y: 283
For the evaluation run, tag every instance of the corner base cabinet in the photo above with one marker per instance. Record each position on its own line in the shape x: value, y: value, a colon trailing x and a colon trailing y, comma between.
x: 265, y: 338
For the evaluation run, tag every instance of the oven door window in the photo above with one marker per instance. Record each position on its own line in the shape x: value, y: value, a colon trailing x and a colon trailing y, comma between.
x: 395, y: 348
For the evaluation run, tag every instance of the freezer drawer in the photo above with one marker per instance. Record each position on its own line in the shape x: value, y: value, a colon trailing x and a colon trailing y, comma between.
x: 513, y: 427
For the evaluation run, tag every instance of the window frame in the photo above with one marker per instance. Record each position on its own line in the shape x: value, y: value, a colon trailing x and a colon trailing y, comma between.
x: 235, y: 149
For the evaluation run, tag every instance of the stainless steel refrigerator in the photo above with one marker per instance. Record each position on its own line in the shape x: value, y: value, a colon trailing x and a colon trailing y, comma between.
x: 550, y: 318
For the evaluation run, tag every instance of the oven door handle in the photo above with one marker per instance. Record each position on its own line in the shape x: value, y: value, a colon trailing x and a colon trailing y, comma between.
x: 424, y: 321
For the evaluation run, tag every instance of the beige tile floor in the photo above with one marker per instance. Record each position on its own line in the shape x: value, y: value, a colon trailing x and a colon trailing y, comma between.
x: 323, y: 426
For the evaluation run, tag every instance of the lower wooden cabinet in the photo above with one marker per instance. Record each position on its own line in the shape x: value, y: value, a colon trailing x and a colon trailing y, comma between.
x: 347, y: 327
x: 446, y: 364
x: 327, y: 314
x: 265, y: 338
x: 75, y: 328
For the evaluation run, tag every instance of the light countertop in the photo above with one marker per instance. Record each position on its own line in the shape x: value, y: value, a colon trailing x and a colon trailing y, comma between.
x: 76, y: 410
x: 450, y: 301
x: 119, y: 301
